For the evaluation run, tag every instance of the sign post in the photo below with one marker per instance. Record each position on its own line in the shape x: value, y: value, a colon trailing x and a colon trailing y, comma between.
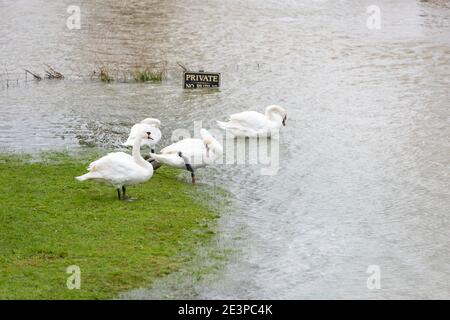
x: 201, y: 79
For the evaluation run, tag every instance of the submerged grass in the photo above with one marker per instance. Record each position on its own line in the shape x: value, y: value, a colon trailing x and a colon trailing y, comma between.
x: 49, y: 221
x: 148, y: 74
x: 103, y: 74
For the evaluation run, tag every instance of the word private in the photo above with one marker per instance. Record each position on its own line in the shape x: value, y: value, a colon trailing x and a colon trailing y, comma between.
x: 195, y: 80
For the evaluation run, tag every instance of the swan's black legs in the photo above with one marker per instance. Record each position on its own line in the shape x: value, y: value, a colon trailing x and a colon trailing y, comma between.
x: 191, y: 170
x: 123, y: 192
x: 118, y: 193
x: 188, y: 166
x: 152, y: 150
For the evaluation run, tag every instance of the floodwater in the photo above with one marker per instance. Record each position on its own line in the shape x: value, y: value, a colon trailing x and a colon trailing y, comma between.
x: 364, y: 158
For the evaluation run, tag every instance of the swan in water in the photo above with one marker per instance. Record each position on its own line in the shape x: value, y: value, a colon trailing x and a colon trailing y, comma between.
x: 191, y: 153
x: 149, y: 124
x: 254, y: 124
x: 120, y: 169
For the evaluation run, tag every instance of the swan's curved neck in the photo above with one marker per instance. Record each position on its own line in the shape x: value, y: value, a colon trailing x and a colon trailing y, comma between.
x: 273, y: 115
x: 137, y: 154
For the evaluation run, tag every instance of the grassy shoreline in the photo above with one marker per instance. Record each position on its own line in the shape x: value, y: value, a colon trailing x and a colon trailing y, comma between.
x: 49, y: 221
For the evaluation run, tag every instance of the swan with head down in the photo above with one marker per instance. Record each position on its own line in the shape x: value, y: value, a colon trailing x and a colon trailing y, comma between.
x: 190, y: 154
x: 253, y: 124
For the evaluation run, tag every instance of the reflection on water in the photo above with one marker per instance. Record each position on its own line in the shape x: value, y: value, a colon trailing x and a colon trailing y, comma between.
x: 363, y: 176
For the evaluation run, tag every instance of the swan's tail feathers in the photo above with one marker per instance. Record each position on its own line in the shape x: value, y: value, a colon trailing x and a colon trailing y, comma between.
x: 87, y: 176
x: 84, y: 177
x: 230, y: 126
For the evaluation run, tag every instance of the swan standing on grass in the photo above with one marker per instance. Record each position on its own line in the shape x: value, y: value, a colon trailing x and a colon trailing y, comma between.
x: 149, y: 124
x: 120, y: 169
x: 191, y: 153
x: 254, y: 124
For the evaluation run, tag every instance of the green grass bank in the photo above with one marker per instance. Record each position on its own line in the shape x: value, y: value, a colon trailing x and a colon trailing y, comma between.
x: 49, y: 221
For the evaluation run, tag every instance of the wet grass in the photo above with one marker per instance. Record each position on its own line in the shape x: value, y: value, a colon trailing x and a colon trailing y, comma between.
x: 148, y: 74
x: 49, y: 221
x: 103, y: 74
x: 153, y: 73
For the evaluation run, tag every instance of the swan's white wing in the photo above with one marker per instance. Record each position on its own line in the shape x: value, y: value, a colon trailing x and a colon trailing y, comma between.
x: 193, y: 149
x: 250, y: 120
x: 111, y: 160
x: 170, y: 159
x: 186, y: 146
x: 117, y: 168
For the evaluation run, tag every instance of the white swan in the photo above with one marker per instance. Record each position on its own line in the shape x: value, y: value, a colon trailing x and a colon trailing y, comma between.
x: 120, y: 169
x: 254, y: 124
x: 191, y: 153
x: 149, y: 124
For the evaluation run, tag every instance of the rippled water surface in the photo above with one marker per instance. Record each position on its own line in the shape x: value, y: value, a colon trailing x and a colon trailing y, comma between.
x: 364, y: 158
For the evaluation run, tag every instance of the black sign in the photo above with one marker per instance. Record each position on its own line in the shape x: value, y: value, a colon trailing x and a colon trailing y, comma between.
x: 195, y: 80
